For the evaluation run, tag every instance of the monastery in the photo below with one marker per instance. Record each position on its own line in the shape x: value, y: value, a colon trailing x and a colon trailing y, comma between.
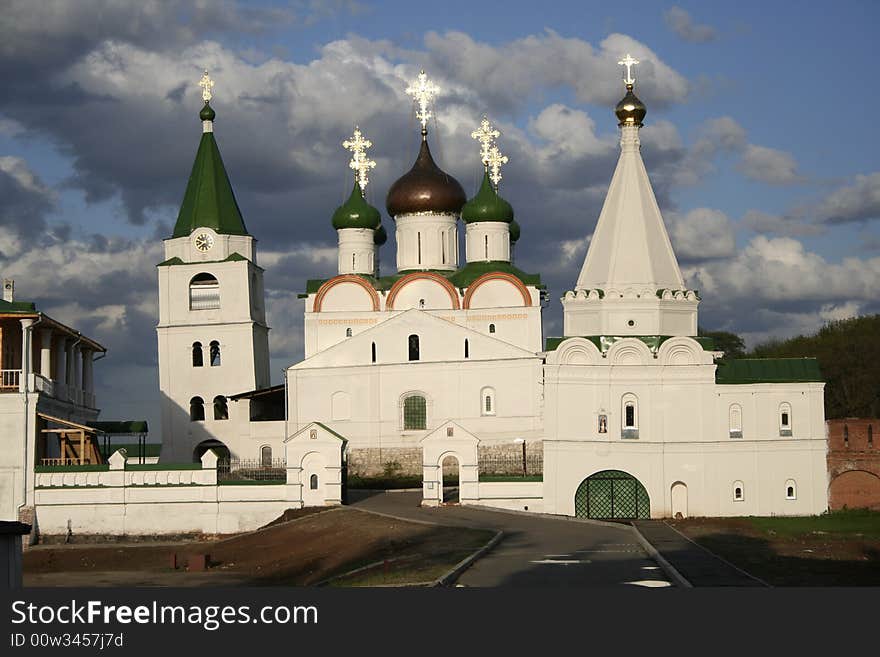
x: 440, y: 365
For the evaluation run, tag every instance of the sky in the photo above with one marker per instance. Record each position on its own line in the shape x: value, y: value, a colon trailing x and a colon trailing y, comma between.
x: 759, y: 141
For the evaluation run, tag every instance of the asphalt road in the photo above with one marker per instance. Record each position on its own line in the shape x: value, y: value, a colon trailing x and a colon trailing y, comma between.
x: 536, y: 550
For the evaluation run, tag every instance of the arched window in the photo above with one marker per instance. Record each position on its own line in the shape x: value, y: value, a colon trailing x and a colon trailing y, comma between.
x: 785, y: 419
x: 196, y: 409
x: 491, y: 328
x: 413, y: 347
x: 845, y: 436
x: 215, y: 353
x: 486, y: 246
x: 629, y: 416
x: 415, y: 413
x: 443, y: 247
x: 739, y: 491
x: 467, y: 351
x: 419, y: 239
x: 353, y: 261
x: 373, y: 353
x: 790, y: 490
x: 736, y: 427
x: 204, y: 292
x: 266, y: 456
x: 348, y: 332
x: 198, y: 356
x: 487, y: 401
x: 313, y: 482
x: 221, y: 410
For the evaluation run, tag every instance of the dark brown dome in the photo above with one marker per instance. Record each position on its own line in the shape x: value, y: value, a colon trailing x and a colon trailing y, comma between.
x: 425, y: 188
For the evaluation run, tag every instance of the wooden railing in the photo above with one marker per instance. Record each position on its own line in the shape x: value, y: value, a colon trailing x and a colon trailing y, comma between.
x: 9, y: 380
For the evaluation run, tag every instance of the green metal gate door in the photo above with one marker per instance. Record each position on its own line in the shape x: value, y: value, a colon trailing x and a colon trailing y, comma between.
x: 612, y: 494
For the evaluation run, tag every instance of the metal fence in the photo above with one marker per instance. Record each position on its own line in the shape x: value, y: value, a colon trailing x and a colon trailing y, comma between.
x: 511, y: 464
x: 235, y: 469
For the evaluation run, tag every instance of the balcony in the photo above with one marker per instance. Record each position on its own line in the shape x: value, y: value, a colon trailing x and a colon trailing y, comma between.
x: 10, y: 380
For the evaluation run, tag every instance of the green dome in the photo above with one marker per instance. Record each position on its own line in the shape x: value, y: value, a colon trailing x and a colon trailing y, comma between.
x: 514, y: 231
x: 487, y: 205
x: 207, y: 113
x: 380, y: 236
x: 356, y: 212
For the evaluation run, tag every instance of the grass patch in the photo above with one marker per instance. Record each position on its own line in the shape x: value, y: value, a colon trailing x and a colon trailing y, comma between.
x: 856, y: 522
x: 384, y: 483
x: 515, y: 478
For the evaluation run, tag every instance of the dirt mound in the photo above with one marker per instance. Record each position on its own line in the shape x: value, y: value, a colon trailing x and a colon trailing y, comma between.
x: 315, y: 546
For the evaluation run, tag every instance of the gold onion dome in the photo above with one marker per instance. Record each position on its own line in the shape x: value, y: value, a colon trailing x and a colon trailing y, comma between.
x: 630, y: 110
x: 425, y: 188
x: 356, y: 212
x: 487, y: 205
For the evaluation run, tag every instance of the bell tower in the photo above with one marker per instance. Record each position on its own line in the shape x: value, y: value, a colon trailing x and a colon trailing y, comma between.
x: 630, y: 283
x: 212, y: 332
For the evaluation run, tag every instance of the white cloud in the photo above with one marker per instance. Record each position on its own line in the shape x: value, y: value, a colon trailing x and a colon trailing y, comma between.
x: 792, y: 224
x: 857, y: 202
x: 769, y: 165
x: 701, y: 234
x: 680, y: 22
x: 782, y: 270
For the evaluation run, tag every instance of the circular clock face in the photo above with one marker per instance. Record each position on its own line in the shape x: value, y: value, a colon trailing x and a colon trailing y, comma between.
x: 204, y: 242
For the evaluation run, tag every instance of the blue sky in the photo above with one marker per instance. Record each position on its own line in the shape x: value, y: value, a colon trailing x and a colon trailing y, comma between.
x: 759, y: 141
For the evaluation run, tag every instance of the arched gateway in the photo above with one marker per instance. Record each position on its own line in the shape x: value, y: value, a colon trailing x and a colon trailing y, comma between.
x: 612, y: 494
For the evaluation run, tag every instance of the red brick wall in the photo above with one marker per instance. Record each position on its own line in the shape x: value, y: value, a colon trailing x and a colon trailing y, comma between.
x: 854, y: 463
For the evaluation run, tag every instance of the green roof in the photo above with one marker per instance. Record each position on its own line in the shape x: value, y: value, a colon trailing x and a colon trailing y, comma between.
x: 767, y: 370
x: 232, y: 257
x: 487, y: 205
x: 603, y: 342
x: 460, y: 277
x: 356, y: 212
x: 121, y: 426
x: 338, y: 435
x: 17, y: 307
x: 209, y: 200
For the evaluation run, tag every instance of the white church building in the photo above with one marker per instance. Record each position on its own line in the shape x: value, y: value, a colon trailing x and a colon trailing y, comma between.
x: 445, y: 359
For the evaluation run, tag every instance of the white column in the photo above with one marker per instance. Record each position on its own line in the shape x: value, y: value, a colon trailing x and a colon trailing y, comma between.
x: 60, y: 368
x: 26, y: 356
x: 68, y: 369
x: 77, y: 373
x: 46, y: 353
x: 87, y: 381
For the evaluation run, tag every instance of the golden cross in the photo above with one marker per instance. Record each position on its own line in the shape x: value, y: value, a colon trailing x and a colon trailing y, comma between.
x: 359, y: 161
x: 486, y: 135
x: 628, y: 61
x: 494, y: 161
x: 206, y: 83
x: 422, y: 91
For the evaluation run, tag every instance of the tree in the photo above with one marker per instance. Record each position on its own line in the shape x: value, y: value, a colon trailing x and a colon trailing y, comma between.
x: 731, y: 344
x: 848, y: 351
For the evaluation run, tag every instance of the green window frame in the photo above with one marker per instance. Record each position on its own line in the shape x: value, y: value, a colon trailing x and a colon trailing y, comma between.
x: 415, y: 413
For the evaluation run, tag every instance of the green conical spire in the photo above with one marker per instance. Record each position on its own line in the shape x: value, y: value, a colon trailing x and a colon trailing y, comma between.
x: 209, y: 200
x: 487, y: 205
x: 356, y: 212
